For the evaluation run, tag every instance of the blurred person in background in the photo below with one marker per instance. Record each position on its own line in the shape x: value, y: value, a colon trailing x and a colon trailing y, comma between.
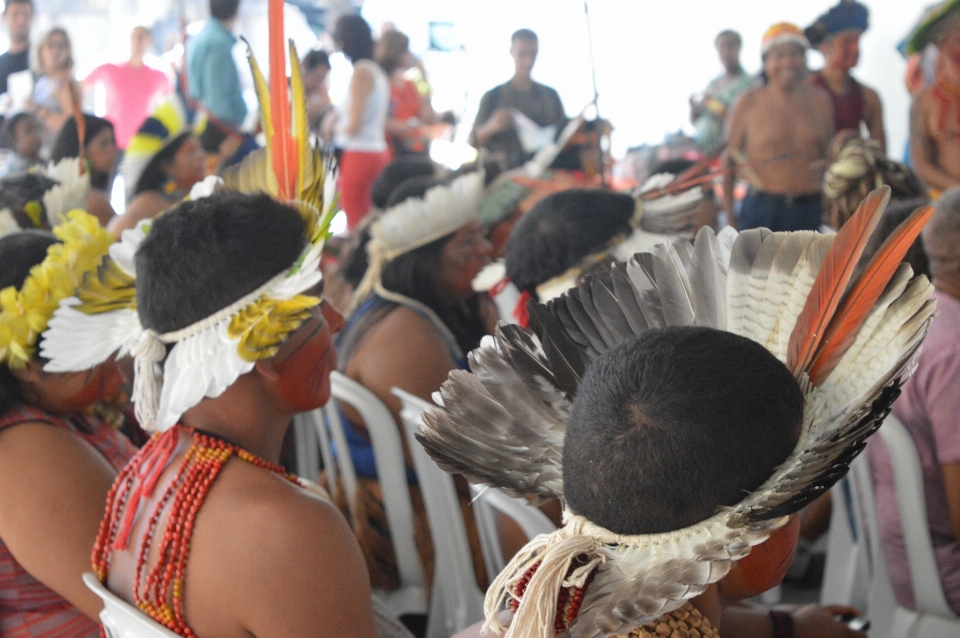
x: 52, y: 94
x: 99, y: 149
x: 409, y: 109
x: 18, y: 16
x: 314, y: 69
x: 131, y: 88
x: 211, y: 71
x: 21, y: 134
x: 362, y: 119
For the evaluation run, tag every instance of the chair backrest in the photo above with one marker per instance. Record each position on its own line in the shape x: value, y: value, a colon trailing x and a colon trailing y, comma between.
x: 487, y: 501
x: 846, y: 573
x: 121, y: 619
x: 457, y: 601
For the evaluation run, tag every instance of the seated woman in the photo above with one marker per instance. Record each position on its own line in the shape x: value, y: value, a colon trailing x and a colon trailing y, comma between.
x: 56, y: 460
x: 100, y: 154
x: 415, y: 317
x: 162, y: 163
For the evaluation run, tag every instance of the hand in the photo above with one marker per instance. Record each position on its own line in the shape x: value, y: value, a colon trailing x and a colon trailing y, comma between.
x: 814, y: 621
x: 501, y: 119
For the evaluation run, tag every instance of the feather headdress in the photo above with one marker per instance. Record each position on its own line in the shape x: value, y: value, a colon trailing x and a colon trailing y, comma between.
x: 208, y: 356
x: 848, y: 341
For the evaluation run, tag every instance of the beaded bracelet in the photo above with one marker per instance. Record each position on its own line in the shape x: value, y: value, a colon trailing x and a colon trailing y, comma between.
x: 782, y: 624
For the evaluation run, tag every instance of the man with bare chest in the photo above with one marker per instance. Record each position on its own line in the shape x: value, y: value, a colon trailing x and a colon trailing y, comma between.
x: 778, y: 136
x: 935, y: 114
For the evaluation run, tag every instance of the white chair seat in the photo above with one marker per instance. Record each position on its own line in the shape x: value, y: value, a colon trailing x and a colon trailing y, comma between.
x: 487, y: 501
x: 121, y: 619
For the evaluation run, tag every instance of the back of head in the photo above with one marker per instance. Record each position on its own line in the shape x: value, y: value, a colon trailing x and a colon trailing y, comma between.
x: 314, y: 59
x: 561, y: 230
x: 526, y: 35
x: 8, y: 134
x: 206, y: 254
x: 396, y: 173
x: 67, y: 143
x: 671, y: 426
x: 224, y: 9
x: 728, y: 35
x: 354, y: 37
x: 391, y: 49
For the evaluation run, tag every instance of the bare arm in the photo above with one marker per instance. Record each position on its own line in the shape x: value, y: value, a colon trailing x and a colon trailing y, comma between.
x: 922, y: 150
x: 874, y: 117
x: 53, y: 487
x: 361, y: 84
x: 144, y: 206
x: 736, y: 137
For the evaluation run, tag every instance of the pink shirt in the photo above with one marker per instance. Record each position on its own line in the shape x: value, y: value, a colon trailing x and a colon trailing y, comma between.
x: 929, y: 409
x: 130, y: 92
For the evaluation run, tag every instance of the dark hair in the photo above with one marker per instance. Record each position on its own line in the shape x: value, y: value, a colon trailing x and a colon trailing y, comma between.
x: 19, y: 252
x: 314, y: 59
x: 19, y: 189
x: 8, y: 134
x: 390, y: 49
x: 354, y: 37
x: 671, y: 426
x: 728, y: 34
x: 524, y: 34
x: 9, y: 2
x: 206, y: 254
x: 67, y: 144
x: 224, y: 9
x: 153, y: 176
x: 355, y: 263
x: 561, y: 230
x: 396, y: 173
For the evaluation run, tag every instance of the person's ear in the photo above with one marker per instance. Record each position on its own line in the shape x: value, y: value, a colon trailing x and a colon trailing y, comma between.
x: 764, y: 567
x: 31, y: 374
x: 267, y: 370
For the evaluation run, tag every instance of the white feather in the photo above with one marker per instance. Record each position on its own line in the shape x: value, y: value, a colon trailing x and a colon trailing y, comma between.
x: 76, y: 341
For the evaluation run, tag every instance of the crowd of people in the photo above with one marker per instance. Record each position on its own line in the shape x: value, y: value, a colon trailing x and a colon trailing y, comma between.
x: 656, y: 369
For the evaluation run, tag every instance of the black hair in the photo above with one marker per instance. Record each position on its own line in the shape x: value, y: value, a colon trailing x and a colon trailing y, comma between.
x: 9, y: 2
x: 728, y: 33
x: 354, y: 37
x: 527, y: 35
x: 206, y: 254
x: 18, y: 189
x: 19, y: 252
x: 224, y: 9
x: 673, y: 425
x: 314, y: 59
x: 67, y: 144
x: 561, y: 230
x: 355, y: 263
x: 153, y: 176
x: 8, y: 134
x: 396, y: 173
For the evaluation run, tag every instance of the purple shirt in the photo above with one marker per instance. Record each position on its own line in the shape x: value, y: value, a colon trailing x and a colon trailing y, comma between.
x: 929, y: 409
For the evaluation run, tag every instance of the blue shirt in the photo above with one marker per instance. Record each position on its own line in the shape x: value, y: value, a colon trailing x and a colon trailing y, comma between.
x: 212, y: 73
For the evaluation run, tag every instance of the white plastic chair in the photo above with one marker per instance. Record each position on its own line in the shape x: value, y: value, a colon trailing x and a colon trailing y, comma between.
x: 411, y: 596
x: 487, y: 501
x: 846, y: 576
x: 456, y: 601
x: 933, y: 618
x: 121, y: 619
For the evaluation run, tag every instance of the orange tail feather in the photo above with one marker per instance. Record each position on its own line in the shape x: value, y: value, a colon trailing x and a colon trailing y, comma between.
x: 284, y: 149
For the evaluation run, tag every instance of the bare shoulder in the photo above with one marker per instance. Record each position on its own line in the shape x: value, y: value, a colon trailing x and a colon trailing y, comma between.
x: 33, y: 444
x: 749, y: 99
x: 405, y: 330
x: 144, y: 206
x: 818, y: 94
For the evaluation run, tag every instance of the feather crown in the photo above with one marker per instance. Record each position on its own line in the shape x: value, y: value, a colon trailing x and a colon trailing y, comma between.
x: 208, y: 356
x: 848, y: 341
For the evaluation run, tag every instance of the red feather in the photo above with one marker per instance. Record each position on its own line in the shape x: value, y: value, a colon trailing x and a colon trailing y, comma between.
x: 284, y: 149
x: 81, y: 122
x: 856, y: 305
x: 832, y: 280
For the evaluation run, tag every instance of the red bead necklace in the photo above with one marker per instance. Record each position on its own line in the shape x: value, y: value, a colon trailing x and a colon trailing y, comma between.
x: 569, y: 599
x: 160, y: 594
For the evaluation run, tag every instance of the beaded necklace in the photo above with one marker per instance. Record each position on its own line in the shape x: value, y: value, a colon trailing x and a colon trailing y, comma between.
x: 160, y: 593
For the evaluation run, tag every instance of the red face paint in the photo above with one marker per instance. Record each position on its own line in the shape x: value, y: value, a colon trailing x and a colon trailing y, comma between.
x: 304, y: 375
x: 764, y: 567
x: 102, y: 383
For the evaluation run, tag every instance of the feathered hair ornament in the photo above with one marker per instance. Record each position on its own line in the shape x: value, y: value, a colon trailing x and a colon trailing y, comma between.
x: 849, y: 340
x: 208, y: 356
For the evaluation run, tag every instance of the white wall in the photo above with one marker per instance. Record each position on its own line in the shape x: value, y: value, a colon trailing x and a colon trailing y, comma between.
x: 650, y: 54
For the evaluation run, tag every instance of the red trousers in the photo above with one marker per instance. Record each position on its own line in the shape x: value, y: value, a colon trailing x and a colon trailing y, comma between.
x: 358, y: 171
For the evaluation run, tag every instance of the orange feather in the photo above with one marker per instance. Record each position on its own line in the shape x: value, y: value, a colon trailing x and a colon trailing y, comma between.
x: 284, y: 150
x: 831, y: 282
x: 857, y: 303
x: 81, y: 122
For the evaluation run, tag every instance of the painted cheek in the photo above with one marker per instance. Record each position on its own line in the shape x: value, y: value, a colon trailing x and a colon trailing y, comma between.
x: 304, y: 376
x: 104, y: 384
x: 767, y: 563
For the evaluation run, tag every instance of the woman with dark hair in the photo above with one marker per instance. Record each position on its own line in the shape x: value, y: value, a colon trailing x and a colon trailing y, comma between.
x: 363, y: 115
x: 162, y: 163
x: 56, y: 460
x: 99, y: 149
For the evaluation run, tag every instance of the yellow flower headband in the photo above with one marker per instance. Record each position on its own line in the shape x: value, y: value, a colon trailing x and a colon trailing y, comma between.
x: 24, y: 313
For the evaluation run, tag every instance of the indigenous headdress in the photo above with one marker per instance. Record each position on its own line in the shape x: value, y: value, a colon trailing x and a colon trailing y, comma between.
x: 25, y: 313
x: 848, y: 341
x: 931, y: 25
x: 157, y: 132
x: 782, y: 33
x: 848, y: 15
x: 416, y: 222
x: 64, y: 185
x: 207, y: 357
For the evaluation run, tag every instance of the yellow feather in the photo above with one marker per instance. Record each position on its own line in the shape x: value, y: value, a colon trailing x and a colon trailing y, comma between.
x: 107, y: 288
x: 299, y: 122
x: 264, y: 325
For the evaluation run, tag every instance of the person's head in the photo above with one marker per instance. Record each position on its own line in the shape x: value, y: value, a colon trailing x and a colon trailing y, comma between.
x: 22, y: 134
x: 60, y: 393
x: 393, y: 52
x: 842, y: 50
x: 100, y: 147
x: 561, y: 230
x: 728, y: 48
x: 204, y: 255
x: 224, y: 10
x: 524, y: 46
x: 784, y: 57
x: 353, y: 36
x: 54, y: 52
x: 946, y: 36
x: 22, y: 193
x: 314, y: 68
x: 664, y: 432
x: 180, y: 163
x: 941, y: 241
x: 18, y: 14
x: 140, y: 41
x: 396, y: 173
x: 837, y: 34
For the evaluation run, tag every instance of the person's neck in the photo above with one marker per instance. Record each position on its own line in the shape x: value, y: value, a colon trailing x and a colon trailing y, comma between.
x: 522, y: 82
x: 244, y: 416
x: 785, y: 91
x: 949, y: 286
x: 19, y: 46
x: 951, y: 73
x: 135, y: 61
x: 734, y: 72
x: 837, y: 78
x: 709, y: 604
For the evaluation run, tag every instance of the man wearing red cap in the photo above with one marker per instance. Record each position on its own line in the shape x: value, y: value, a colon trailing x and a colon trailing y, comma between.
x: 778, y: 135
